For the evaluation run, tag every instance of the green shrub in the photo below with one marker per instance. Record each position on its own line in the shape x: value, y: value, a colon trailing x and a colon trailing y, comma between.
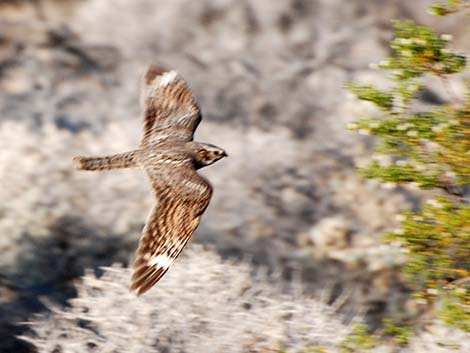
x: 430, y: 148
x: 449, y: 7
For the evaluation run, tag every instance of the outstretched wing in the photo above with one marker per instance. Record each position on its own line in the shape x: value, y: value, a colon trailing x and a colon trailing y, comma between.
x: 170, y: 109
x: 183, y: 196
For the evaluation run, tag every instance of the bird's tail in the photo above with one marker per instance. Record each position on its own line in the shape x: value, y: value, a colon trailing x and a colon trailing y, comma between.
x: 120, y: 160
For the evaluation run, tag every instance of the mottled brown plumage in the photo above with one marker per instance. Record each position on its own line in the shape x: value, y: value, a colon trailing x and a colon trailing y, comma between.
x: 170, y: 159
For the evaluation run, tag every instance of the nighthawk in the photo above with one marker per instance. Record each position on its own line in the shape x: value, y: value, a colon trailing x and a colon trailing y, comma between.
x: 170, y: 158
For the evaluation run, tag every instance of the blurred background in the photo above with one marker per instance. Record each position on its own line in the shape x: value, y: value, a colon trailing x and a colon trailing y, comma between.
x: 269, y: 78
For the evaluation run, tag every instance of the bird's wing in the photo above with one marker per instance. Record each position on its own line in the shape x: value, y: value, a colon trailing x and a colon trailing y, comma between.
x: 182, y: 195
x: 169, y: 107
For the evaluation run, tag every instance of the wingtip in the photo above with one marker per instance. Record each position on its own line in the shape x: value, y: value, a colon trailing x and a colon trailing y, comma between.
x: 134, y: 287
x: 153, y: 71
x: 139, y: 290
x: 135, y: 291
x: 144, y: 279
x: 137, y: 285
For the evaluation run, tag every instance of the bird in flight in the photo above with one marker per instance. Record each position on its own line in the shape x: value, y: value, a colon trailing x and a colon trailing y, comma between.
x: 170, y: 158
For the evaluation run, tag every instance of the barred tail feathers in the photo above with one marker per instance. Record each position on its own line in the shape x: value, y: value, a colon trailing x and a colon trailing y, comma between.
x: 120, y: 160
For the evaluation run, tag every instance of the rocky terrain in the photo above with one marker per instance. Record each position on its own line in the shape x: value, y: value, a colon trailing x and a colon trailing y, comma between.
x: 269, y: 77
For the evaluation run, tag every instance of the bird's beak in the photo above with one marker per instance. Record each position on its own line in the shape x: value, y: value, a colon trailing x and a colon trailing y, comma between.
x: 224, y: 154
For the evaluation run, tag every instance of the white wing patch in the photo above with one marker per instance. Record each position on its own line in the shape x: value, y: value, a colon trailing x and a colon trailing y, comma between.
x: 164, y: 80
x: 167, y: 78
x: 160, y: 261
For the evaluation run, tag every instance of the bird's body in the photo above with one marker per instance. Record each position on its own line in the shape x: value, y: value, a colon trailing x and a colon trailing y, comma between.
x: 170, y: 158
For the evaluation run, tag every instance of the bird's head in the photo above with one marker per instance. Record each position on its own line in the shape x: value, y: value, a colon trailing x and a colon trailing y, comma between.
x: 207, y: 154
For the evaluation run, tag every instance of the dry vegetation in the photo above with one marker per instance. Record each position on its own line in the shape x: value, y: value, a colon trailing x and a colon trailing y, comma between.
x: 202, y: 305
x: 207, y: 305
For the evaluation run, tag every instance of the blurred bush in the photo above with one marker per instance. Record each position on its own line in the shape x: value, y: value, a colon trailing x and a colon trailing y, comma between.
x: 202, y: 305
x: 450, y: 6
x: 428, y: 147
